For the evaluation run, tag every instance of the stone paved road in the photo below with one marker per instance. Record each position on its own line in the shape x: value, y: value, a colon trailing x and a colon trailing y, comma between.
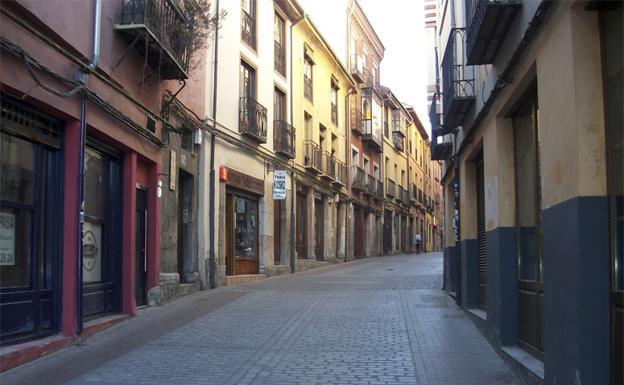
x: 374, y: 321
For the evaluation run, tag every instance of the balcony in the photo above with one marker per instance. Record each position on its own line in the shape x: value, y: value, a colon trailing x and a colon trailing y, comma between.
x: 357, y: 68
x: 284, y: 139
x: 312, y: 157
x: 374, y: 187
x: 371, y: 138
x: 439, y: 150
x: 358, y: 179
x: 279, y: 54
x: 390, y: 188
x: 414, y: 196
x: 457, y: 79
x: 398, y: 140
x: 159, y: 30
x: 252, y: 119
x: 405, y: 199
x: 248, y: 29
x: 307, y: 88
x: 488, y: 22
x: 379, y: 189
x: 341, y: 173
x: 329, y: 166
x: 356, y: 121
x: 370, y: 185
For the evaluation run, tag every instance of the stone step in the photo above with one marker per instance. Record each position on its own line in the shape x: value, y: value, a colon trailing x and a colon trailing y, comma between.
x: 243, y: 278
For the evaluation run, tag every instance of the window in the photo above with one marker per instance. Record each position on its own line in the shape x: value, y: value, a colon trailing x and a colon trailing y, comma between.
x: 366, y: 165
x: 247, y: 81
x: 280, y: 45
x: 279, y: 105
x: 248, y: 22
x: 307, y: 78
x: 333, y: 97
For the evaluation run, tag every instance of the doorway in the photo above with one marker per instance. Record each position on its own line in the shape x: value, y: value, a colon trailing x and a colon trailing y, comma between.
x: 242, y: 234
x: 186, y: 230
x: 140, y: 286
x: 530, y: 280
x: 101, y: 238
x: 302, y: 219
x: 359, y: 238
x: 387, y: 231
x: 481, y: 237
x: 318, y: 228
x: 277, y: 229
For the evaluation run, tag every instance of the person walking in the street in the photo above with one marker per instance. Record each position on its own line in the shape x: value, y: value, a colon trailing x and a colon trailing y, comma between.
x: 418, y: 241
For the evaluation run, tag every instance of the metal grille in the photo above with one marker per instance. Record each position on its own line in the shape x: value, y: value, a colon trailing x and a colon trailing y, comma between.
x: 28, y: 122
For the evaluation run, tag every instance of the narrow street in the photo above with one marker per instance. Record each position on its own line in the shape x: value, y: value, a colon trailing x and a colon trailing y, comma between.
x: 373, y: 321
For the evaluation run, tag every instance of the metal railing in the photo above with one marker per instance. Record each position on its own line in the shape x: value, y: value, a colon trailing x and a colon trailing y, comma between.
x: 252, y: 119
x: 457, y: 78
x: 341, y: 172
x: 358, y: 178
x: 248, y: 29
x: 279, y: 53
x: 284, y: 138
x: 405, y: 199
x: 312, y: 156
x: 329, y: 165
x: 165, y: 22
x: 379, y: 189
x: 307, y: 87
x: 390, y: 188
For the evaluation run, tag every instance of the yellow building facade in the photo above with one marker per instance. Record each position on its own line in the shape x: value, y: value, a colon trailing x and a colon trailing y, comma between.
x: 319, y: 90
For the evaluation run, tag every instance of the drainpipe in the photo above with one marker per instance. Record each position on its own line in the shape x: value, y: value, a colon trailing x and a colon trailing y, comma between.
x: 293, y: 259
x: 211, y: 210
x: 81, y: 155
x: 352, y: 90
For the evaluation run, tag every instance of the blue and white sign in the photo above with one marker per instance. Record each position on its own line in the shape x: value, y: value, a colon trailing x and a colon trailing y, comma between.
x: 279, y: 184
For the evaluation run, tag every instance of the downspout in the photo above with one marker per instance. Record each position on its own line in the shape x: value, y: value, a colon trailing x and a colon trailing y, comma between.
x: 352, y: 90
x: 81, y: 155
x: 211, y: 210
x: 293, y: 259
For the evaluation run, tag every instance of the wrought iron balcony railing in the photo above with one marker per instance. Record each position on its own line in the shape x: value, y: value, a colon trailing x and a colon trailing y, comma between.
x: 358, y: 178
x: 414, y: 195
x: 248, y: 29
x: 405, y: 199
x: 284, y: 138
x: 379, y: 189
x: 329, y: 165
x: 390, y: 188
x: 279, y: 54
x: 307, y: 88
x: 341, y: 173
x: 312, y: 158
x: 457, y: 80
x: 159, y: 30
x: 488, y: 22
x: 252, y: 119
x: 441, y: 146
x: 356, y: 121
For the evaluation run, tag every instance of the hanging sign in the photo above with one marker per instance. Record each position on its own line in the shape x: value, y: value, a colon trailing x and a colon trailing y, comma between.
x: 7, y: 239
x: 279, y: 184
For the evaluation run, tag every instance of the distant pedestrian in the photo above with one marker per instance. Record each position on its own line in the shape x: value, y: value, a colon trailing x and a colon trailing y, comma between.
x: 418, y: 241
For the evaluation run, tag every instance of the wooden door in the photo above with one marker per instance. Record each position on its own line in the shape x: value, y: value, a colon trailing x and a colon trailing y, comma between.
x: 359, y: 238
x: 318, y: 229
x: 245, y: 235
x: 529, y: 230
x: 387, y: 235
x: 302, y: 218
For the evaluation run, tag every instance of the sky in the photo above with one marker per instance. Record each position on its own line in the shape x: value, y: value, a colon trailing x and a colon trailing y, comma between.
x: 401, y: 28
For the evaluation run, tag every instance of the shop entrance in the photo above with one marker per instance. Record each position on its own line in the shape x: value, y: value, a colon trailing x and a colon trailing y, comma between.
x: 387, y: 231
x: 101, y: 232
x: 186, y: 229
x: 481, y: 237
x: 359, y: 239
x: 242, y: 234
x: 30, y: 223
x: 302, y: 219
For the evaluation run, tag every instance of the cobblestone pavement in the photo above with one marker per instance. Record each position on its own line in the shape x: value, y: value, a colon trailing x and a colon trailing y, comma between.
x: 374, y: 321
